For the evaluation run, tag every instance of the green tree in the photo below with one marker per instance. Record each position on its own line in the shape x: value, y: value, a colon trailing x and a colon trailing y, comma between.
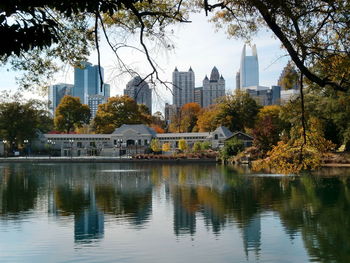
x: 20, y: 120
x: 238, y: 112
x: 70, y: 113
x: 197, y: 146
x: 231, y: 148
x: 116, y: 111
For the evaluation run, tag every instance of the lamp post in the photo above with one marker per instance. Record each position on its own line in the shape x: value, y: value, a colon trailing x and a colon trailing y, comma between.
x: 71, y: 141
x: 51, y: 144
x: 5, y: 152
x: 26, y: 147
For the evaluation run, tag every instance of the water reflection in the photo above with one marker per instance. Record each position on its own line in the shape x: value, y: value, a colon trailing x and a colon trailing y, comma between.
x: 214, y: 197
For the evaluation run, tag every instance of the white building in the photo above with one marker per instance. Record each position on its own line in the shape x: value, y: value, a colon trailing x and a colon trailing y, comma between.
x: 183, y: 87
x: 131, y: 138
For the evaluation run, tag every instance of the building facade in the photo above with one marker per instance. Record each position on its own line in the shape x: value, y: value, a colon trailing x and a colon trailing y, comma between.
x: 56, y: 93
x: 93, y: 102
x: 128, y: 138
x: 183, y: 87
x: 213, y: 88
x: 87, y: 85
x: 139, y: 90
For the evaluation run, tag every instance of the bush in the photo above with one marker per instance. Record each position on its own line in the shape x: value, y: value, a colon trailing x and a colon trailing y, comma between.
x: 232, y: 147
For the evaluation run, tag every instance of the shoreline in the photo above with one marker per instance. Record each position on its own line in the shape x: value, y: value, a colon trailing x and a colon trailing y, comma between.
x: 98, y: 160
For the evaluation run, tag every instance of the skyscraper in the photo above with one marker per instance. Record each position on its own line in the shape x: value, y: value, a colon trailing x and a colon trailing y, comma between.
x: 249, y: 71
x: 213, y: 88
x: 56, y: 93
x: 183, y: 87
x: 139, y: 90
x: 87, y: 81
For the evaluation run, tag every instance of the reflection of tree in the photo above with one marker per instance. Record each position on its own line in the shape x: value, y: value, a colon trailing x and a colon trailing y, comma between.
x: 18, y: 191
x: 130, y: 198
x: 71, y: 200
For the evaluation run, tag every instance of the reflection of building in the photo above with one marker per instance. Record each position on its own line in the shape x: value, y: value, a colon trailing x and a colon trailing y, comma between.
x: 184, y: 217
x: 183, y: 87
x: 252, y: 236
x: 139, y: 90
x: 56, y: 93
x: 89, y: 223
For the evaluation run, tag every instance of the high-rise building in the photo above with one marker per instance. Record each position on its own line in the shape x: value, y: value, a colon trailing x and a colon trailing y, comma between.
x: 94, y: 101
x: 56, y: 93
x: 183, y: 87
x: 87, y: 86
x: 87, y: 81
x: 238, y: 80
x: 213, y: 88
x: 198, y: 96
x: 169, y: 112
x: 139, y: 90
x: 249, y: 71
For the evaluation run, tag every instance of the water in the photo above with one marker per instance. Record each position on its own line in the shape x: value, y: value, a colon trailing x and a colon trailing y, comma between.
x: 171, y: 213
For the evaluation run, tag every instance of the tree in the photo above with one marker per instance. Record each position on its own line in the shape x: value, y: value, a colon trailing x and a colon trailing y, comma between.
x: 48, y: 33
x: 231, y: 148
x: 155, y: 145
x: 208, y: 119
x: 70, y: 113
x: 20, y: 120
x: 116, y: 111
x: 182, y: 145
x: 186, y: 119
x: 301, y: 27
x: 268, y: 128
x: 166, y: 147
x: 197, y: 147
x: 238, y: 112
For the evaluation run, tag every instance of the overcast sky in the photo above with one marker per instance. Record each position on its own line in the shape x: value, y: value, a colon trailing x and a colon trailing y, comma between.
x: 198, y: 45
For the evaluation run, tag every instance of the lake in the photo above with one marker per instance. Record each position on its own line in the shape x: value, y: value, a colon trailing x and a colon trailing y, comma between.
x: 171, y: 213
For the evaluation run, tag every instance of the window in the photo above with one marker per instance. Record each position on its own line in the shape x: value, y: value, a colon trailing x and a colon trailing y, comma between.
x: 216, y: 137
x: 79, y: 145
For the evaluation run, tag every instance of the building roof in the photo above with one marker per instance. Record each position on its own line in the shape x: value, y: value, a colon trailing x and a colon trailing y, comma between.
x: 214, y: 76
x: 242, y: 134
x: 223, y: 130
x: 138, y: 128
x: 184, y: 134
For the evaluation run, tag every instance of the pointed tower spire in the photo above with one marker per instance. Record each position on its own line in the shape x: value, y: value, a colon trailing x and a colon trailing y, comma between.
x: 175, y: 69
x: 255, y: 53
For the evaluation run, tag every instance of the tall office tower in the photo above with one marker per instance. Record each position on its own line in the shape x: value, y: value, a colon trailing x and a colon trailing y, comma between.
x: 249, y: 71
x: 183, y: 87
x: 198, y: 96
x: 107, y: 90
x: 87, y: 81
x: 213, y: 88
x: 56, y: 93
x: 139, y: 91
x: 94, y: 101
x: 238, y: 80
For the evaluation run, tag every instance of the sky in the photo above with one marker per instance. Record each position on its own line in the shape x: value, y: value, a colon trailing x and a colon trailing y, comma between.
x: 197, y: 45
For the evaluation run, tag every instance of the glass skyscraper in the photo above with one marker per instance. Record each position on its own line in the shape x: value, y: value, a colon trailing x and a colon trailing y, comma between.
x: 249, y: 71
x: 87, y: 81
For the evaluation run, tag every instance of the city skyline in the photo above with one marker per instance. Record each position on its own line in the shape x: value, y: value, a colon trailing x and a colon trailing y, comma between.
x: 197, y: 45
